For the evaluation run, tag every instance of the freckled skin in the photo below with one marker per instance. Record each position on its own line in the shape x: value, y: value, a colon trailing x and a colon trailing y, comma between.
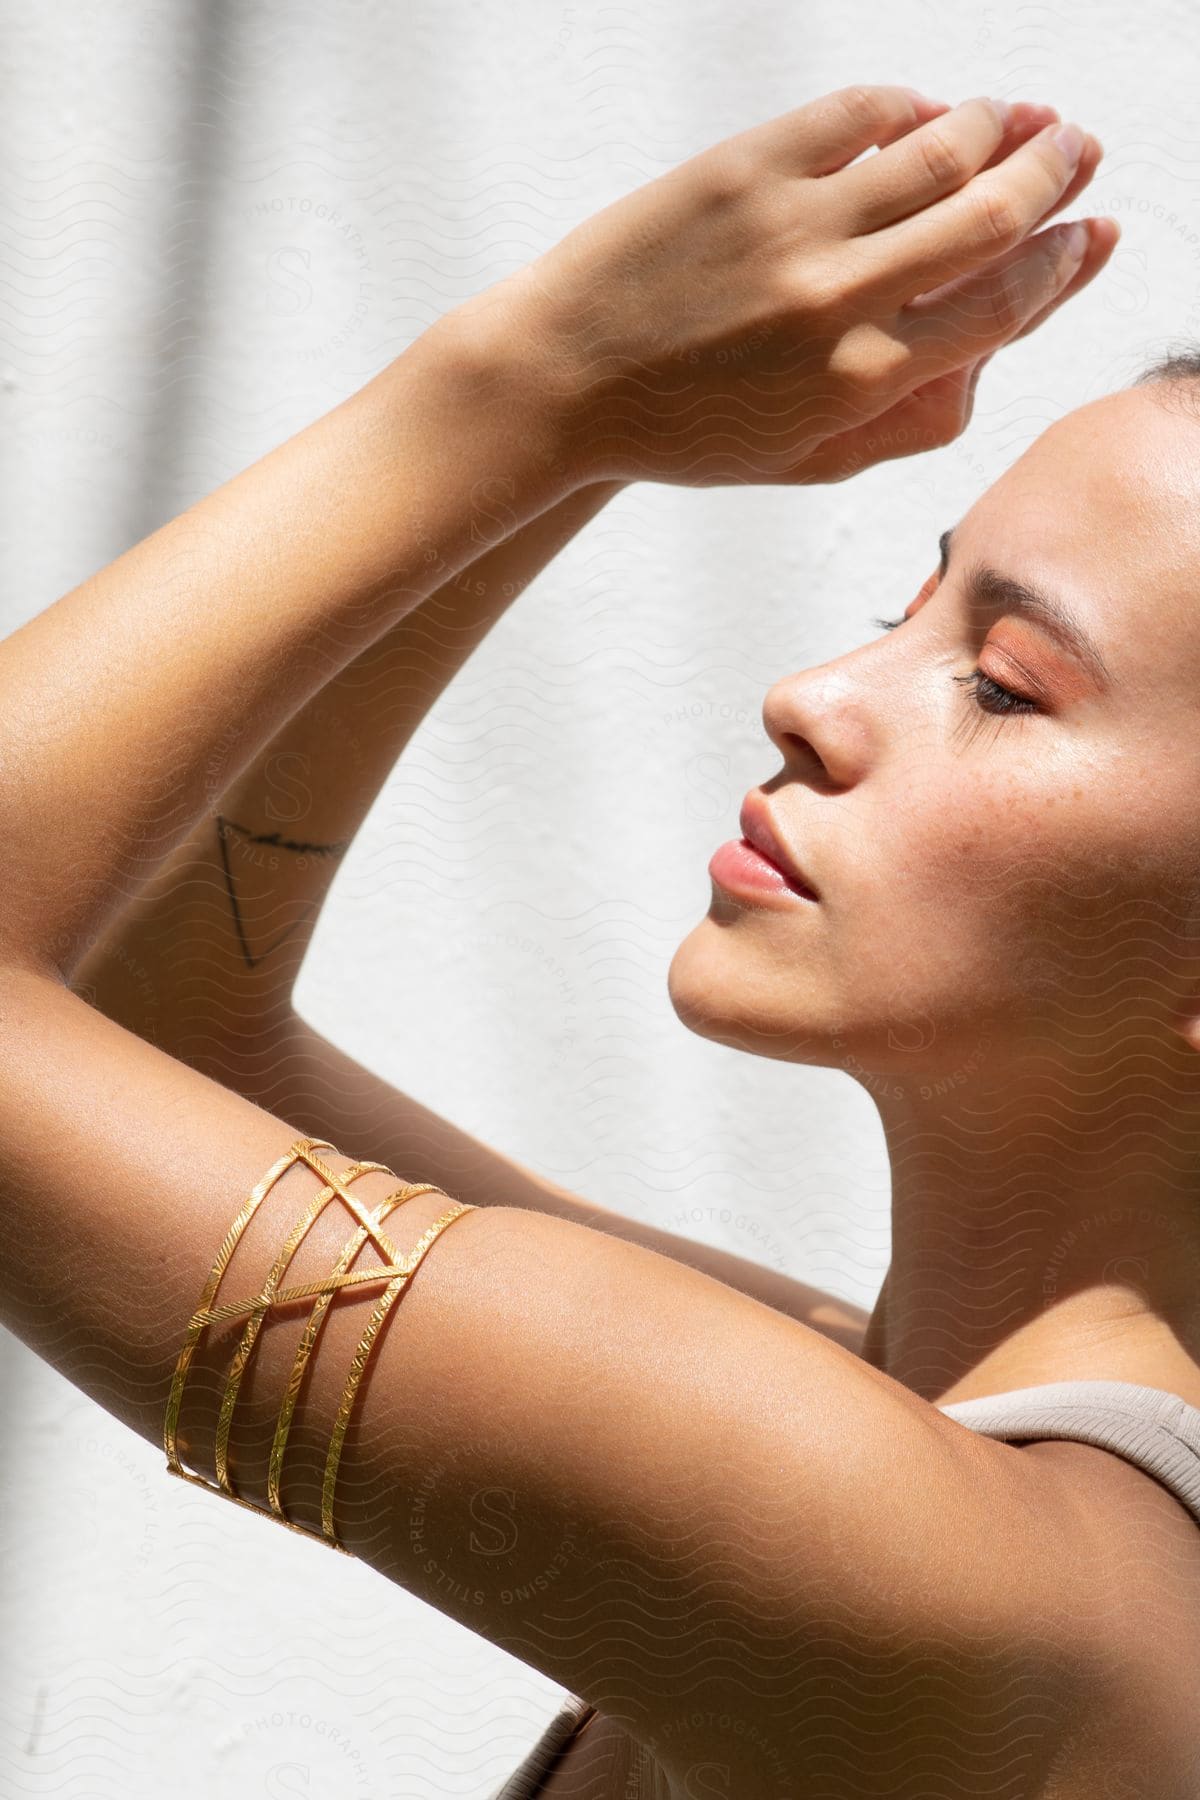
x: 1006, y: 953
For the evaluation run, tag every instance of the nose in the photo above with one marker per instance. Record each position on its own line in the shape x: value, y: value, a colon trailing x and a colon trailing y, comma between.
x: 818, y: 720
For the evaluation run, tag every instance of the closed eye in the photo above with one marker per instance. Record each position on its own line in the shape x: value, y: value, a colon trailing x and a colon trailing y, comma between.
x: 988, y: 695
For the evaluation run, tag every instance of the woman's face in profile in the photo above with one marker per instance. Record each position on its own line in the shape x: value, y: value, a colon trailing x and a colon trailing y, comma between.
x: 1007, y: 864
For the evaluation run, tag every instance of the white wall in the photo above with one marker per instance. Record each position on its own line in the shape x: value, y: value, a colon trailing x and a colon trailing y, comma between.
x: 174, y: 302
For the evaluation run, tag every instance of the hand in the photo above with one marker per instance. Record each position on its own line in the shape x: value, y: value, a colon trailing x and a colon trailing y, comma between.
x: 764, y: 311
x: 940, y: 410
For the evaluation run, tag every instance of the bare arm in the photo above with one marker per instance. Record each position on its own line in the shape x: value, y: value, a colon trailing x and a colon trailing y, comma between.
x: 207, y: 637
x: 204, y: 959
x: 709, y: 1500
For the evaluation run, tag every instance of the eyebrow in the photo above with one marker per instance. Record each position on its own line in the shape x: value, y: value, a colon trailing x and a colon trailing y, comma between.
x: 989, y: 587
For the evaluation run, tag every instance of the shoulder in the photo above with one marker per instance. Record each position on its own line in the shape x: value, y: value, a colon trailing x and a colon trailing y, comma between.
x: 949, y: 1633
x: 958, y: 1634
x: 1072, y: 1714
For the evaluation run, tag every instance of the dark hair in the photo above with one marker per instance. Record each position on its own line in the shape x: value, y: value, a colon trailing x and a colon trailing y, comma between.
x: 1178, y: 374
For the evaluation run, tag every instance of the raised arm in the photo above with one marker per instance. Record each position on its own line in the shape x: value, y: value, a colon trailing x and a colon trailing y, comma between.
x: 594, y: 364
x: 204, y: 639
x: 203, y: 961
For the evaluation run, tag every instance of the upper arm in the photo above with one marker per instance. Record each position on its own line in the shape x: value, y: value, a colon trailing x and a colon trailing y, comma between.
x: 325, y: 1091
x: 709, y: 1520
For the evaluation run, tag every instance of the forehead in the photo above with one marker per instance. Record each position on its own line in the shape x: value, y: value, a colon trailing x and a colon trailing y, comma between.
x: 1104, y: 507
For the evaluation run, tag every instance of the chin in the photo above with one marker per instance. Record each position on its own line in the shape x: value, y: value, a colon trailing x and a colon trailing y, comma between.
x: 695, y: 984
x: 721, y: 991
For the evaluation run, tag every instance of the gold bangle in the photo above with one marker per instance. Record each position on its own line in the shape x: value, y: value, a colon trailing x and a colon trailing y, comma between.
x: 415, y: 1256
x: 257, y: 1195
x: 311, y: 1331
x: 396, y: 1272
x: 268, y: 1297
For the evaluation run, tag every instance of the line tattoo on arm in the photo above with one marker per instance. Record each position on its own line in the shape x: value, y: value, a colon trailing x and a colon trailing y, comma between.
x: 227, y: 828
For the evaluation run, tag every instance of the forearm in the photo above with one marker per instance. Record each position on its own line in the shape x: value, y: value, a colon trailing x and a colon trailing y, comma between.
x: 134, y: 701
x: 206, y: 956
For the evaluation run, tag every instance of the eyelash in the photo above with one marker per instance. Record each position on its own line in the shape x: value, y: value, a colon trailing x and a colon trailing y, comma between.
x: 1003, y: 700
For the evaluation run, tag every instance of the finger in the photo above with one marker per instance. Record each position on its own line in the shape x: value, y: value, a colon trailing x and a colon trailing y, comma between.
x: 1104, y: 235
x: 941, y: 157
x: 830, y: 132
x: 926, y: 419
x: 976, y: 372
x: 1093, y: 150
x: 922, y: 166
x: 1089, y: 160
x: 975, y: 315
x: 970, y: 228
x: 937, y: 410
x: 1028, y: 117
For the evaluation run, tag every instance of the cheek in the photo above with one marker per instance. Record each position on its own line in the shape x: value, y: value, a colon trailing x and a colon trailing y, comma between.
x: 1035, y: 889
x: 990, y: 874
x: 981, y: 828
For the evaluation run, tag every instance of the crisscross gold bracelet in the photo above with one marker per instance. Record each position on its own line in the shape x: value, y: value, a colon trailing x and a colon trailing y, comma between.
x: 396, y: 1272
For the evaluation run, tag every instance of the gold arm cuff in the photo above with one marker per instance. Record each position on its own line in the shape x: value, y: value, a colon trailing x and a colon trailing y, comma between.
x: 396, y: 1272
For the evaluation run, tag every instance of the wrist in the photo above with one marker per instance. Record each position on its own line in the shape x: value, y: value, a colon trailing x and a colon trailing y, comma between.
x: 512, y: 363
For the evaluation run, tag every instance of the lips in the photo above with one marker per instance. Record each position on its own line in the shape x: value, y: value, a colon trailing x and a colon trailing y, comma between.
x: 758, y: 830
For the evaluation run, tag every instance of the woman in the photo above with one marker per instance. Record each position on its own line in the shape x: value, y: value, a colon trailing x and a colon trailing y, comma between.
x: 757, y: 1543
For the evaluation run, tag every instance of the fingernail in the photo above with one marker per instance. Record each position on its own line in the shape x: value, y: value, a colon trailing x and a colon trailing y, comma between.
x: 1004, y: 111
x: 1075, y: 240
x: 1069, y: 139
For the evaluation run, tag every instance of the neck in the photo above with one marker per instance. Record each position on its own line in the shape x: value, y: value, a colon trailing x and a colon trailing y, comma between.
x: 1043, y: 1231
